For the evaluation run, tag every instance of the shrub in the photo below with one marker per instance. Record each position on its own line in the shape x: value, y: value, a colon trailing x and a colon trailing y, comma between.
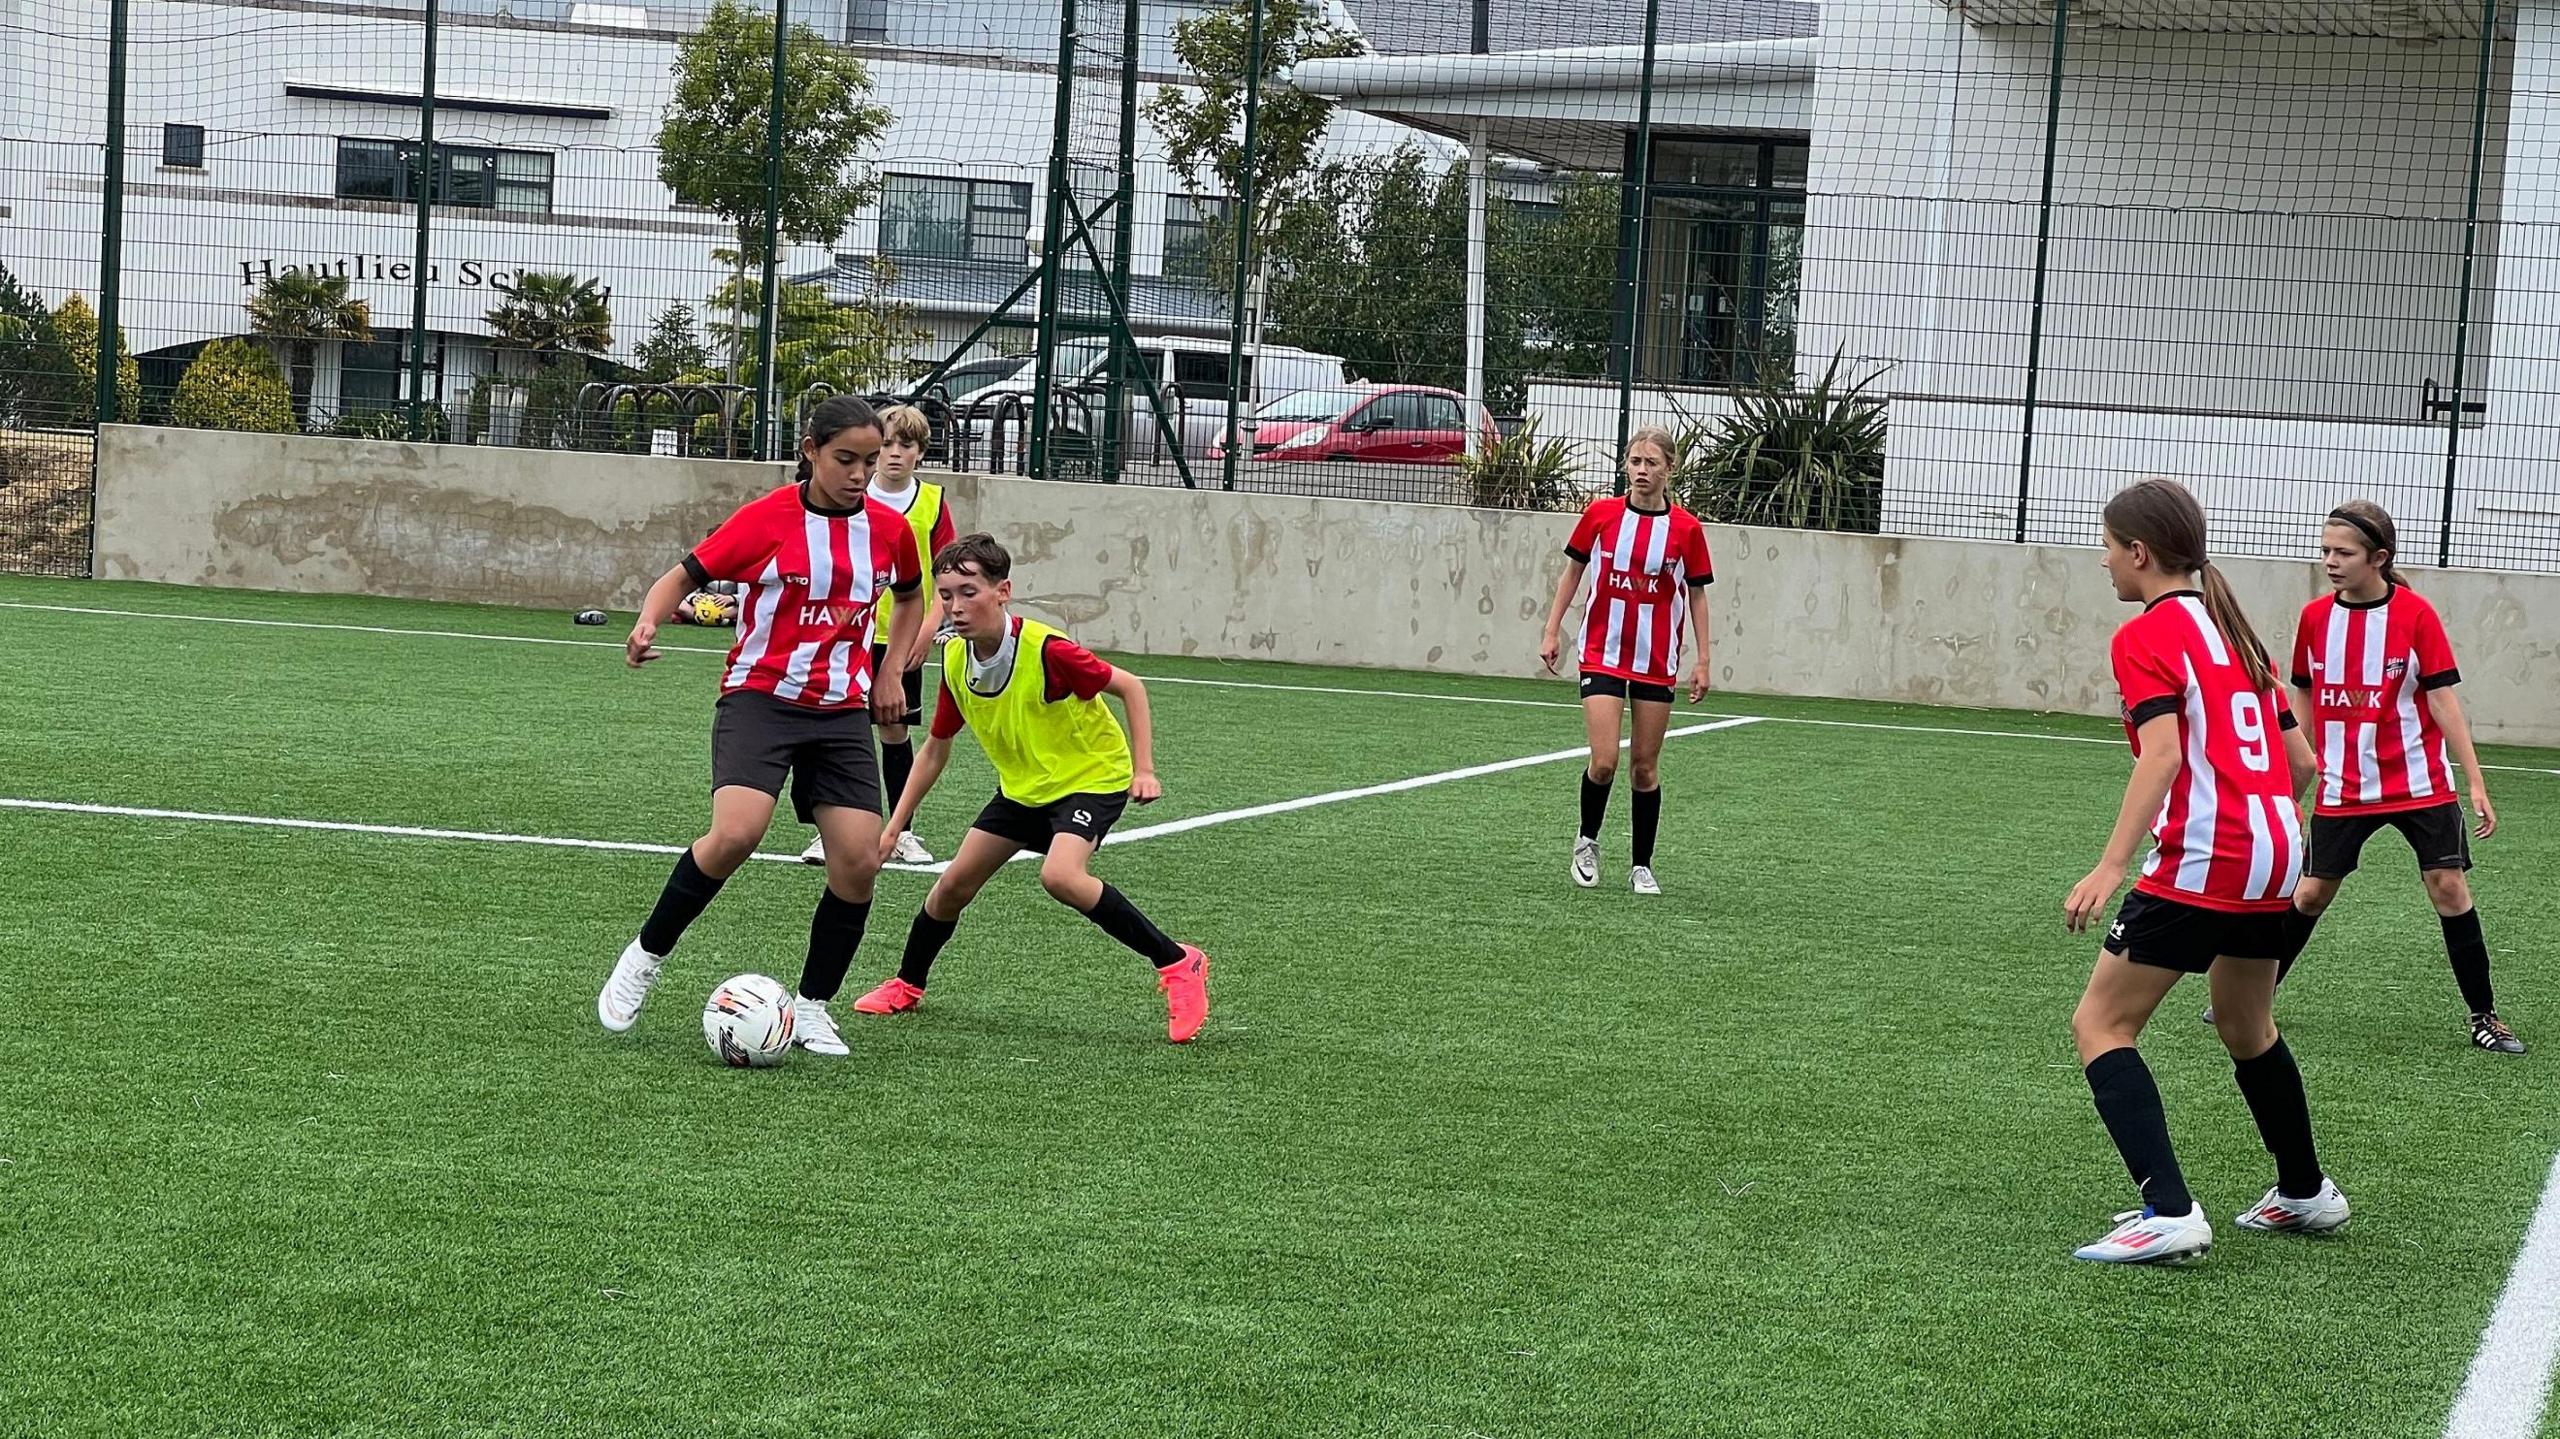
x: 234, y: 385
x: 1809, y: 458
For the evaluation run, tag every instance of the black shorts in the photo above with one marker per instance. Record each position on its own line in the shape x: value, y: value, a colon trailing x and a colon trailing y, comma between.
x: 757, y: 739
x: 2437, y: 833
x: 913, y: 679
x: 1088, y: 816
x: 1625, y: 689
x: 2171, y: 934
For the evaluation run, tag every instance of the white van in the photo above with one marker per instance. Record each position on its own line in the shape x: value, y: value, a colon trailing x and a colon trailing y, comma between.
x: 1191, y: 373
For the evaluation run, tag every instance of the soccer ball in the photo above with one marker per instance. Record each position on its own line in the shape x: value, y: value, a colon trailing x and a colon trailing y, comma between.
x: 747, y: 1021
x: 703, y: 607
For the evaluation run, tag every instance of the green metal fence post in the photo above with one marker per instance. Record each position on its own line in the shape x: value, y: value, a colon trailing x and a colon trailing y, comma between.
x: 2470, y: 255
x: 1115, y: 392
x: 2044, y: 242
x: 1239, y: 317
x: 426, y: 182
x: 768, y: 396
x: 1640, y: 193
x: 111, y: 218
x: 1053, y: 243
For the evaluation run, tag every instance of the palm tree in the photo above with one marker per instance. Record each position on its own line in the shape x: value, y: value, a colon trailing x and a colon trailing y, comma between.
x: 552, y: 316
x: 302, y: 308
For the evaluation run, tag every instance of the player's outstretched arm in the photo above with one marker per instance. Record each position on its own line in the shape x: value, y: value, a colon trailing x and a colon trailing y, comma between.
x: 932, y: 758
x: 2153, y: 773
x: 1132, y: 694
x: 1551, y: 646
x: 660, y: 602
x: 2456, y: 725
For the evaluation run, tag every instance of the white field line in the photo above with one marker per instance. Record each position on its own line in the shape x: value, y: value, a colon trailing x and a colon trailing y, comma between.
x: 2510, y: 1379
x: 1351, y: 690
x: 1153, y: 831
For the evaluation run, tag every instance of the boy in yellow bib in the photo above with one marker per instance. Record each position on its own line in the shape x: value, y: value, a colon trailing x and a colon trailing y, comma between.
x: 1064, y: 773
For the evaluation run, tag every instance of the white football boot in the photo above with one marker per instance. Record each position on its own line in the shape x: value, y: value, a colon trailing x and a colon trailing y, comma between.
x: 618, y: 1003
x: 813, y: 1029
x: 1641, y: 880
x: 910, y: 850
x: 2277, y: 1214
x: 2142, y: 1237
x: 1586, y: 862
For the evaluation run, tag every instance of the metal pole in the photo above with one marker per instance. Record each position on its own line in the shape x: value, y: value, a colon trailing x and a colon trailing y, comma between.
x: 1642, y: 193
x: 2470, y: 253
x: 1053, y: 243
x: 769, y: 302
x: 1115, y: 392
x: 111, y: 220
x: 1476, y: 263
x: 426, y: 182
x: 2044, y: 242
x: 1246, y: 312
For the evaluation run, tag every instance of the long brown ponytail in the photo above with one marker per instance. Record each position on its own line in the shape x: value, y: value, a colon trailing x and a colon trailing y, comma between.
x: 2373, y: 522
x: 2161, y: 516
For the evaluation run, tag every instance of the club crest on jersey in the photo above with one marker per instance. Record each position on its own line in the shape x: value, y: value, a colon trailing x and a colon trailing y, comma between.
x: 2394, y: 669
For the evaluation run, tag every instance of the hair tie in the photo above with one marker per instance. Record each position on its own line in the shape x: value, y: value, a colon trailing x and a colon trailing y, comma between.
x: 2363, y: 526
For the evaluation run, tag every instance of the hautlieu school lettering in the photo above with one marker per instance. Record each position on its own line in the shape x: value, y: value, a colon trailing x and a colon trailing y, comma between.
x: 472, y: 274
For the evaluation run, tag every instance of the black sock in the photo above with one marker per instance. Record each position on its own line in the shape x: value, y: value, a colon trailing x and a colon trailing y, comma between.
x: 1648, y: 812
x: 2298, y: 927
x: 689, y: 891
x: 895, y: 761
x: 925, y: 939
x: 2129, y: 1105
x: 835, y: 932
x: 1595, y: 804
x: 1121, y: 920
x: 2272, y: 1084
x: 2468, y: 948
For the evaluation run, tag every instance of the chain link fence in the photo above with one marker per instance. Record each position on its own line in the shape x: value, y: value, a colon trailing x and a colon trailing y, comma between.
x: 1910, y: 266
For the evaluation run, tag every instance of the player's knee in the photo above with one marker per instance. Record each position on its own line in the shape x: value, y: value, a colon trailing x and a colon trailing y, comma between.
x: 2095, y: 1030
x: 1067, y: 884
x: 2312, y: 896
x: 853, y: 877
x: 948, y: 897
x: 2449, y: 890
x: 1647, y: 773
x: 893, y: 734
x: 2246, y: 1031
x: 1604, y: 766
x: 720, y: 852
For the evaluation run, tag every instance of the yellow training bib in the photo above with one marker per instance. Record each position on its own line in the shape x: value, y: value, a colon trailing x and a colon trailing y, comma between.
x: 1042, y: 751
x: 923, y: 512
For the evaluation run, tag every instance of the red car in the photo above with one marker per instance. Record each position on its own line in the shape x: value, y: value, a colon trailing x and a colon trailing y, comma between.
x: 1377, y: 424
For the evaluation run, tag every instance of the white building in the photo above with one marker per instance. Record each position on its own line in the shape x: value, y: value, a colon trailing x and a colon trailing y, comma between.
x: 267, y: 134
x: 2253, y: 276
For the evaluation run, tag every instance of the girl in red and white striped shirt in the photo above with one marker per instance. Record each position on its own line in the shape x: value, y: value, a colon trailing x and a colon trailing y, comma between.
x: 2374, y: 674
x: 1650, y: 567
x: 2217, y: 763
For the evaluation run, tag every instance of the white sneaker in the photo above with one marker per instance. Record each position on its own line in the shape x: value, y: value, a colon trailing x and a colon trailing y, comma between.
x: 618, y: 1003
x: 2142, y: 1237
x: 910, y: 850
x: 2319, y: 1214
x: 813, y: 1029
x: 1586, y: 861
x: 1641, y: 880
x: 816, y: 853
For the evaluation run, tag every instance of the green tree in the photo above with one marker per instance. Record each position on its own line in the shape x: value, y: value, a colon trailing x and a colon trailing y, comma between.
x: 301, y: 308
x: 234, y: 385
x: 711, y: 141
x: 38, y: 385
x: 75, y: 329
x: 1561, y: 269
x: 849, y: 348
x: 552, y: 317
x: 1203, y: 124
x: 674, y: 346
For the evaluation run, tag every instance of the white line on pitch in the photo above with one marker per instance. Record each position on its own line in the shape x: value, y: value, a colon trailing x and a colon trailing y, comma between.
x: 2510, y: 1377
x: 1350, y: 690
x: 401, y: 831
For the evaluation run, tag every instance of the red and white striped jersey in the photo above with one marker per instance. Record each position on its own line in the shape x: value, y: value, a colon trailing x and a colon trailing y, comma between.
x: 2229, y: 836
x: 2367, y: 668
x: 1644, y: 563
x: 810, y: 579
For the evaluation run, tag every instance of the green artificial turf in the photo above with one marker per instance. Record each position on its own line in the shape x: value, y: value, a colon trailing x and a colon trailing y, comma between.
x: 315, y: 1133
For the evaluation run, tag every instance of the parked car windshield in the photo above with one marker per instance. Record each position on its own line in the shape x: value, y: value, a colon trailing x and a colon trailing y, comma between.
x: 969, y: 381
x: 1311, y: 405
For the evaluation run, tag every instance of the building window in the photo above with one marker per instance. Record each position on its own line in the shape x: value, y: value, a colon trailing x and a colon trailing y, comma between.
x: 866, y: 22
x: 929, y: 217
x: 1193, y: 227
x: 469, y: 176
x: 1724, y: 235
x: 182, y: 147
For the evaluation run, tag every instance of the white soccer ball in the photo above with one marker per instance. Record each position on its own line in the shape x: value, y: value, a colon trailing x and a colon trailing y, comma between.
x: 747, y: 1021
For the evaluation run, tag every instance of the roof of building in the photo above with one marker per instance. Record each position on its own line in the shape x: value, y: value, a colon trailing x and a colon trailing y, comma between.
x: 1446, y: 27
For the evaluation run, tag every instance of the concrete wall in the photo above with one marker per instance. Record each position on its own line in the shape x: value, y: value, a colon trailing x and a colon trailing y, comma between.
x: 1229, y: 576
